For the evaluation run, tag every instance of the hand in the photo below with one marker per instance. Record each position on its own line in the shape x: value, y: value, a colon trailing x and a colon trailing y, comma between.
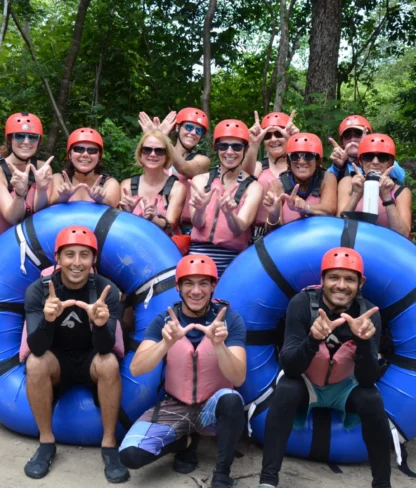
x: 146, y: 123
x: 323, y: 327
x: 43, y: 176
x: 97, y: 312
x: 362, y: 326
x: 295, y: 203
x: 66, y: 190
x: 149, y: 209
x: 200, y: 198
x: 357, y: 182
x: 216, y: 332
x: 226, y: 202
x: 338, y: 156
x: 290, y: 128
x: 168, y: 123
x: 173, y: 331
x: 19, y: 178
x: 386, y: 185
x: 128, y: 202
x: 273, y: 197
x: 96, y: 192
x: 256, y: 133
x: 53, y: 306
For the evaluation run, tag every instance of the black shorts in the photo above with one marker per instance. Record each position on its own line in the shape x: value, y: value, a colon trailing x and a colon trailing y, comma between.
x: 75, y: 367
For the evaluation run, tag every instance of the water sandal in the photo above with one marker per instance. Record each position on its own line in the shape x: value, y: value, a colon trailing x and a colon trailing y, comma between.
x: 186, y: 461
x: 114, y: 471
x: 39, y: 465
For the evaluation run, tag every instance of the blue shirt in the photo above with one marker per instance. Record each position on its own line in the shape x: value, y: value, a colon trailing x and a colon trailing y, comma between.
x: 397, y: 174
x: 234, y: 322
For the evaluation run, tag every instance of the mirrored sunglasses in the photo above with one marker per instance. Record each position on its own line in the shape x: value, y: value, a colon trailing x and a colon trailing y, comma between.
x: 306, y: 156
x: 382, y: 157
x: 276, y: 134
x: 21, y: 136
x: 82, y: 149
x: 235, y: 146
x: 198, y: 130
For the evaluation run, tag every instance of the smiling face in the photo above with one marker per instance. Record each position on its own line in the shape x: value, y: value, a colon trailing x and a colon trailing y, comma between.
x: 340, y: 287
x: 275, y: 143
x: 23, y: 144
x: 371, y: 162
x: 151, y: 156
x: 76, y: 262
x: 188, y: 135
x: 230, y: 158
x: 83, y: 161
x: 352, y: 135
x: 303, y: 170
x: 196, y: 294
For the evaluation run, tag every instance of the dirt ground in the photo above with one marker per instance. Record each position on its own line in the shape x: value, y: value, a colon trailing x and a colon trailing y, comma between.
x: 81, y: 467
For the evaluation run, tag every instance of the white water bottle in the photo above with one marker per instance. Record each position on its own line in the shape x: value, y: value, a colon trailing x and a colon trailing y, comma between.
x: 371, y: 192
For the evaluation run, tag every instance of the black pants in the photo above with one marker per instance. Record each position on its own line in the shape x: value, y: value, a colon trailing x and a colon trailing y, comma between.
x: 292, y: 395
x: 230, y: 425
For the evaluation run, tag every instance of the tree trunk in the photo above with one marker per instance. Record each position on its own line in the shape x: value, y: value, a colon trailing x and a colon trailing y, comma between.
x: 324, y: 47
x: 282, y: 57
x: 206, y: 96
x: 4, y: 22
x: 266, y: 91
x: 67, y: 75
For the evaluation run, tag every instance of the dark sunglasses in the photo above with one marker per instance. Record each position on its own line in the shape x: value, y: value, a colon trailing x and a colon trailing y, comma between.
x: 82, y: 149
x: 190, y: 127
x: 306, y: 156
x: 349, y: 133
x: 382, y: 157
x: 159, y: 151
x: 276, y: 134
x: 21, y: 136
x: 235, y: 146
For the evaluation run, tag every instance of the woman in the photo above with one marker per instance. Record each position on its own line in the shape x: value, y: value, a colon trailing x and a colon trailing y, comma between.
x: 24, y: 180
x: 82, y: 178
x: 376, y: 152
x: 225, y: 200
x: 155, y: 195
x: 306, y: 188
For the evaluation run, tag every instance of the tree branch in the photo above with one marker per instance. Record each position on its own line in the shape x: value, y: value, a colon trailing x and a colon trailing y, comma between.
x: 5, y: 22
x: 207, y: 56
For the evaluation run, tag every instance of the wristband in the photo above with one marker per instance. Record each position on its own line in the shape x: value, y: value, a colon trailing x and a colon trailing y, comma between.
x: 20, y: 196
x: 389, y: 202
x: 271, y: 223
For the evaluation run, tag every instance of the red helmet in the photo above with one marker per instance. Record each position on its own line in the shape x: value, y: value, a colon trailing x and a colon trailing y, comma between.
x: 305, y: 142
x: 196, y: 264
x: 85, y: 134
x: 231, y: 128
x: 76, y: 235
x: 355, y: 122
x: 192, y: 115
x: 24, y: 122
x: 377, y: 143
x: 342, y: 258
x: 278, y: 119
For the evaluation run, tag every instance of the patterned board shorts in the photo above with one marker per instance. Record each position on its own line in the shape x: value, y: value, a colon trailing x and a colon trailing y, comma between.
x: 174, y: 420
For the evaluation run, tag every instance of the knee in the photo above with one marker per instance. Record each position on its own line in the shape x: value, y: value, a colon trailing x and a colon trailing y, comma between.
x: 134, y: 457
x: 289, y: 392
x: 106, y: 366
x: 231, y: 406
x: 37, y: 366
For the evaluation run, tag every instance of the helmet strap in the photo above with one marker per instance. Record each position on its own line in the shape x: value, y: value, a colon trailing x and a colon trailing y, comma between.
x: 233, y: 169
x: 20, y: 159
x: 85, y: 173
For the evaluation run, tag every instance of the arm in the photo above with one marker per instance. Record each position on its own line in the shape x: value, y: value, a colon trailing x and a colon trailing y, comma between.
x: 12, y: 209
x: 198, y: 203
x: 232, y: 362
x: 198, y: 165
x: 148, y: 356
x: 328, y: 201
x: 43, y: 178
x: 367, y: 370
x: 176, y: 203
x: 112, y: 193
x: 400, y: 214
x: 54, y: 196
x: 104, y: 337
x: 347, y: 199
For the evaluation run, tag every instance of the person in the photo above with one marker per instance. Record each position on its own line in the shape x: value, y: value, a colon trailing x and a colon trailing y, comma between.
x: 24, y: 180
x: 305, y: 189
x: 351, y: 131
x: 83, y: 178
x: 190, y: 124
x: 71, y: 328
x: 154, y: 195
x: 202, y: 343
x: 376, y: 152
x: 224, y: 201
x: 330, y: 359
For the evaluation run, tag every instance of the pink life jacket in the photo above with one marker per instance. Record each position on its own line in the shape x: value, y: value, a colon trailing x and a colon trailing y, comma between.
x: 313, y: 198
x: 383, y: 219
x: 323, y: 370
x: 47, y: 275
x: 215, y: 229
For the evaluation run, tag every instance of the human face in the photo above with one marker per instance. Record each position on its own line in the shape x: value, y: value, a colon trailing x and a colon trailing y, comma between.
x: 188, y: 136
x: 230, y: 158
x: 153, y: 160
x: 352, y: 136
x: 303, y: 170
x: 24, y: 145
x: 196, y: 294
x: 76, y: 262
x: 275, y: 143
x: 371, y: 162
x: 84, y: 162
x: 340, y: 287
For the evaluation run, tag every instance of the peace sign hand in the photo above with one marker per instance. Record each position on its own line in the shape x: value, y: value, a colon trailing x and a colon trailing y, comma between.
x: 217, y: 332
x: 295, y: 203
x: 200, y: 198
x: 386, y: 185
x: 53, y: 307
x: 173, y: 331
x: 362, y: 326
x: 97, y: 312
x: 96, y: 192
x: 338, y: 156
x: 290, y: 128
x: 256, y: 133
x: 323, y: 327
x: 227, y: 202
x: 273, y: 197
x: 168, y: 123
x: 128, y: 202
x: 146, y: 123
x: 357, y: 182
x: 67, y: 189
x: 19, y: 178
x: 150, y: 209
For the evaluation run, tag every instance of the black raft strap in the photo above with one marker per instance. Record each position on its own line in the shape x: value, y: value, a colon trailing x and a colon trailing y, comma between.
x: 261, y: 337
x: 134, y: 185
x: 124, y: 419
x: 8, y: 364
x: 395, y: 309
x: 272, y: 270
x: 12, y: 307
x: 321, y: 437
x: 35, y: 244
x: 136, y: 298
x: 402, y: 362
x: 103, y: 227
x: 349, y: 233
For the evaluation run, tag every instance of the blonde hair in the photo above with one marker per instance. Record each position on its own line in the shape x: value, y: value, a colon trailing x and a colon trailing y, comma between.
x: 163, y: 139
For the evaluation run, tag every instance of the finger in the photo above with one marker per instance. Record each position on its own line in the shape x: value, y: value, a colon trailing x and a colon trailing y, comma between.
x: 256, y: 117
x: 369, y: 313
x: 230, y: 190
x: 97, y: 182
x: 172, y: 315
x: 105, y: 293
x: 156, y: 121
x: 126, y: 192
x: 195, y: 188
x: 295, y: 191
x: 30, y: 167
x: 83, y: 305
x: 291, y: 117
x: 338, y: 322
x: 155, y: 202
x: 11, y: 166
x: 357, y: 171
x: 202, y: 328
x: 186, y: 329
x: 333, y: 142
x: 348, y: 318
x: 388, y: 171
x: 67, y: 303
x: 323, y: 315
x: 220, y: 316
x: 52, y: 293
x: 48, y: 162
x: 66, y: 178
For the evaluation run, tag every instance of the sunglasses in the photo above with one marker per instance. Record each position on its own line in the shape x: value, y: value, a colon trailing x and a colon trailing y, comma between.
x: 350, y: 133
x: 382, y: 157
x: 21, y: 136
x: 276, y: 134
x: 306, y: 156
x: 82, y: 149
x: 235, y: 146
x: 190, y: 127
x: 159, y: 151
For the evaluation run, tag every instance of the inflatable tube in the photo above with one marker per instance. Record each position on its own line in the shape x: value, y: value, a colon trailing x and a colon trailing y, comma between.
x: 137, y: 256
x: 259, y: 284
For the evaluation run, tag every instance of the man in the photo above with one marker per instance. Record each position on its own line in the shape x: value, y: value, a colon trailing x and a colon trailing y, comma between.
x: 202, y: 342
x: 71, y: 333
x: 331, y: 338
x: 351, y: 131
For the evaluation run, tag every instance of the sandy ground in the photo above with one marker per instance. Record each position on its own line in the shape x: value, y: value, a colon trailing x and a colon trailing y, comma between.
x: 82, y: 467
